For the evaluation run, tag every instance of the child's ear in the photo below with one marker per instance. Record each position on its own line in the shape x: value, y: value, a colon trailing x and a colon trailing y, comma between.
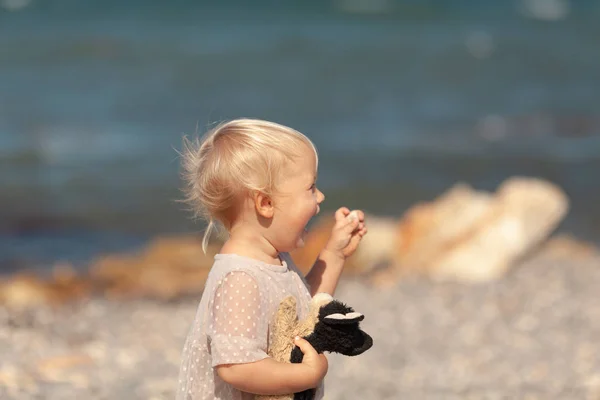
x: 263, y: 205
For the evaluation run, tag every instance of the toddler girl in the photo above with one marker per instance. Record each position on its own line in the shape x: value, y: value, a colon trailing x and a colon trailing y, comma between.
x: 258, y: 180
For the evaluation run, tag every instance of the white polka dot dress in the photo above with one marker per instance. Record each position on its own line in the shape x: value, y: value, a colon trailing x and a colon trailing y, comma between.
x: 231, y: 326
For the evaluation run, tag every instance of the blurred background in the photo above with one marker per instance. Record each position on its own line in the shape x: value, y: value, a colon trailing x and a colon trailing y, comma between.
x: 403, y: 99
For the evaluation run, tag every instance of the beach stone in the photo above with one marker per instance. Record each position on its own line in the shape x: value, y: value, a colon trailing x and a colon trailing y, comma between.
x: 169, y: 267
x: 17, y: 382
x: 474, y: 237
x: 593, y: 387
x: 565, y: 246
x: 429, y: 228
x: 524, y: 213
x: 61, y: 368
x: 25, y: 291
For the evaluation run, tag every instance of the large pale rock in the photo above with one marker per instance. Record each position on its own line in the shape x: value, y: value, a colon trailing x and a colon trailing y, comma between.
x: 430, y: 228
x: 523, y: 212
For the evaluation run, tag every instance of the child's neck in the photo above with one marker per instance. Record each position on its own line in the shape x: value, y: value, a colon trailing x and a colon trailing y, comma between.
x: 245, y: 244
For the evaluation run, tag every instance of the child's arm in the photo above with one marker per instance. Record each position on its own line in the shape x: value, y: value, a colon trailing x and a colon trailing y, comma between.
x: 238, y: 319
x: 346, y: 234
x: 269, y: 377
x: 323, y: 277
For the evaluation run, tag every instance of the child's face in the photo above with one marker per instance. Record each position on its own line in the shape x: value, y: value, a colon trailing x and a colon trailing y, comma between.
x: 298, y: 203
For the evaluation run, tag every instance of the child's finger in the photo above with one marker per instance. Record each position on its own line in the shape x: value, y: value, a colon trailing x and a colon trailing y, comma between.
x: 341, y: 213
x: 305, y: 347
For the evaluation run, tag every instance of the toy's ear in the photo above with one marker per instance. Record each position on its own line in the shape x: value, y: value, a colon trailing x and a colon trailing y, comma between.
x: 343, y: 319
x: 321, y: 299
x: 286, y: 317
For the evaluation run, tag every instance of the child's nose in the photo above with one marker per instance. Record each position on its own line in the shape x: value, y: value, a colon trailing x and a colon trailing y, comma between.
x: 320, y: 197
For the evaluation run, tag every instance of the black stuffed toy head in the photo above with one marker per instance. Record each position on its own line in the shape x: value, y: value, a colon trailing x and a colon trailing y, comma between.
x: 337, y: 331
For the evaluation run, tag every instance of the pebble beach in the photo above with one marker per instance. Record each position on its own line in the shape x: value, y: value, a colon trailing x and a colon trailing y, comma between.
x: 531, y: 335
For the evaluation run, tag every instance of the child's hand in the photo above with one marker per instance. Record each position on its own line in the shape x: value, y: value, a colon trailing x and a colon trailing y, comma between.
x: 347, y: 232
x: 316, y: 364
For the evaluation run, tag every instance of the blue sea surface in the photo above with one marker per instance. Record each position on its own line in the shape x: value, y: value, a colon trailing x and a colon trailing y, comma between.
x: 402, y: 98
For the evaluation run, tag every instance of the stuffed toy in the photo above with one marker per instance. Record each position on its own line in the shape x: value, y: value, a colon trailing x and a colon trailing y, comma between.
x: 330, y: 326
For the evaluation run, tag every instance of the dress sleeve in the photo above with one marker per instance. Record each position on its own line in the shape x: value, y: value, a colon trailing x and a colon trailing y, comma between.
x: 238, y: 322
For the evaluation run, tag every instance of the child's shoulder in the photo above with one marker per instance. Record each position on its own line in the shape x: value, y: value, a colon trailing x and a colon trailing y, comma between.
x: 228, y: 264
x: 231, y: 272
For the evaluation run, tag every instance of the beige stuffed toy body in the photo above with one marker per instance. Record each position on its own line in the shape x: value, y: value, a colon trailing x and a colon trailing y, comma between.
x: 330, y: 326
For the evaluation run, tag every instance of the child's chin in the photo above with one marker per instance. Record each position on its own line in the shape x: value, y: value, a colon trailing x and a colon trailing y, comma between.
x: 301, y: 240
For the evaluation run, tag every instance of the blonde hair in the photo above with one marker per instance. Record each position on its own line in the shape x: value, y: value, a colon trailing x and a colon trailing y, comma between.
x: 236, y: 157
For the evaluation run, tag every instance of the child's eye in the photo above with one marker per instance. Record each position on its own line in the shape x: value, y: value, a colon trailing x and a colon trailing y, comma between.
x: 313, y: 186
